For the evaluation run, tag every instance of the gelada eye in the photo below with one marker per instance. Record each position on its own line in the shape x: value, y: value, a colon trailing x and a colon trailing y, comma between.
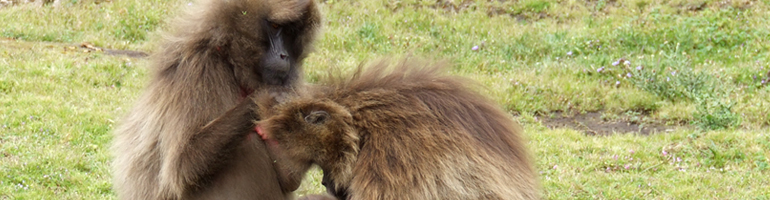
x: 274, y: 25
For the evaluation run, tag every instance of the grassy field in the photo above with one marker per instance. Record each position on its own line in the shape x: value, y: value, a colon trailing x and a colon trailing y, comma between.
x: 698, y: 68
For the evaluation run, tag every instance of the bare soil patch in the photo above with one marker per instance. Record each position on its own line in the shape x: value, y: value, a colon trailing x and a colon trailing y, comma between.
x: 84, y: 47
x: 593, y: 123
x: 88, y: 47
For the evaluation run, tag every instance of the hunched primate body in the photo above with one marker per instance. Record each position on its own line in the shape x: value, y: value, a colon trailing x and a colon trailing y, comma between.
x: 187, y: 136
x: 403, y: 132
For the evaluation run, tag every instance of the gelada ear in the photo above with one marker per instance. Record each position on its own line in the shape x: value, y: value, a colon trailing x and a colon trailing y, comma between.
x: 317, y: 117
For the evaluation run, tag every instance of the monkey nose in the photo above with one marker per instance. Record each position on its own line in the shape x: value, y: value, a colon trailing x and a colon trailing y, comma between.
x: 283, y: 56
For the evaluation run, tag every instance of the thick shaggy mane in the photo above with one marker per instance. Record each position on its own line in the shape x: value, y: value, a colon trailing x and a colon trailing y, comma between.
x: 410, y: 106
x: 183, y: 139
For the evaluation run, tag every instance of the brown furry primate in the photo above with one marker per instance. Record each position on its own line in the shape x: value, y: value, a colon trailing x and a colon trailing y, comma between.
x: 408, y: 132
x: 188, y: 136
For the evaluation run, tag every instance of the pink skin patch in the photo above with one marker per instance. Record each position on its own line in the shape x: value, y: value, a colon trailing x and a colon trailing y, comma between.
x: 261, y: 132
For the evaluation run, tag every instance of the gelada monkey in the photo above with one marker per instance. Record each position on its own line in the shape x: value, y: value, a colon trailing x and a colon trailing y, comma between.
x: 407, y: 131
x: 187, y: 136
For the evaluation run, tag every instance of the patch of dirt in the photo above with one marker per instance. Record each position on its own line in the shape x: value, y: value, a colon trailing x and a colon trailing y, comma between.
x: 694, y: 6
x: 492, y: 8
x: 453, y: 6
x: 593, y: 123
x: 9, y: 3
x: 88, y: 47
x: 41, y: 3
x: 85, y: 47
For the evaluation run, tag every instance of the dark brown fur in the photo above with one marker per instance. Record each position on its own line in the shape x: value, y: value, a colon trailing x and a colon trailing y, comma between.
x: 404, y: 132
x: 187, y: 136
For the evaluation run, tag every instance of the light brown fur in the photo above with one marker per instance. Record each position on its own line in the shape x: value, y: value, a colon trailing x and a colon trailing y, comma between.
x: 403, y: 132
x: 187, y: 136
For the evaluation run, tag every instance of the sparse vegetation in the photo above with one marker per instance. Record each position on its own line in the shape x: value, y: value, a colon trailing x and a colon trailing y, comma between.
x: 701, y: 68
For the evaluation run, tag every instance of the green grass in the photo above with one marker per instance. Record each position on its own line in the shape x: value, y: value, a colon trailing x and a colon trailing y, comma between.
x: 702, y: 64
